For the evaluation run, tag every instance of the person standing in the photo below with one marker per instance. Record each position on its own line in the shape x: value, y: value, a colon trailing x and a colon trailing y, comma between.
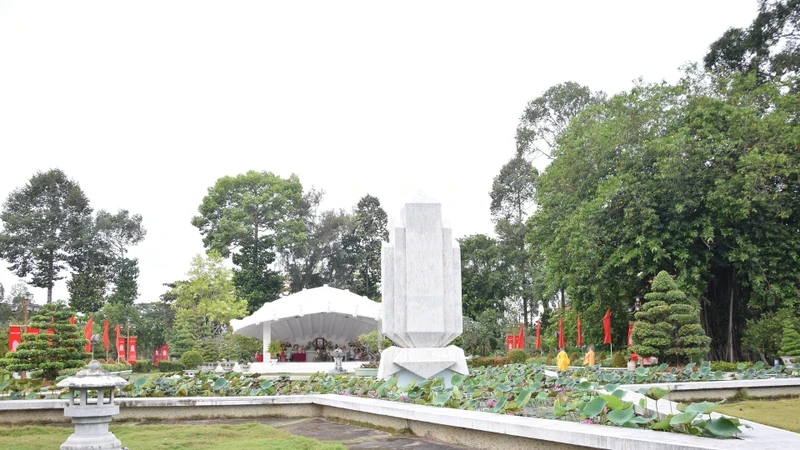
x: 588, y: 360
x: 562, y: 361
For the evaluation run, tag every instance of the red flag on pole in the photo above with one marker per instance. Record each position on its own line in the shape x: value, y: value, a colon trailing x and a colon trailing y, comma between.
x: 538, y: 335
x: 120, y: 343
x: 87, y: 332
x: 521, y: 340
x: 105, y: 334
x: 561, y: 332
x: 630, y: 334
x: 580, y: 337
x: 607, y: 327
x: 72, y: 320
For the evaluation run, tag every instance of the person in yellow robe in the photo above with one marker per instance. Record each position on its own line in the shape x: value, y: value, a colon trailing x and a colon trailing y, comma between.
x: 562, y: 361
x: 588, y: 360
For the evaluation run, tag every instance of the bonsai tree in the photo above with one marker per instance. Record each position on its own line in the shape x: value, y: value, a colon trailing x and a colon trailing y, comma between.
x: 191, y: 359
x: 790, y: 343
x: 669, y: 324
x: 373, y: 344
x: 46, y: 354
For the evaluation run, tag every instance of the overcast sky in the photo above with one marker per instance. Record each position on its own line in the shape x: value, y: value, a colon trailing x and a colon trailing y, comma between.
x: 147, y: 103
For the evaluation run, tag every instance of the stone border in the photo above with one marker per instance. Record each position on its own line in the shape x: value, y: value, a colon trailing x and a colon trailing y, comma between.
x: 468, y: 428
x: 720, y: 390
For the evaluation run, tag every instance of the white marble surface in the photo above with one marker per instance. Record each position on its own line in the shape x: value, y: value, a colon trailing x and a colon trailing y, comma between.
x: 760, y: 437
x: 424, y: 362
x: 421, y: 280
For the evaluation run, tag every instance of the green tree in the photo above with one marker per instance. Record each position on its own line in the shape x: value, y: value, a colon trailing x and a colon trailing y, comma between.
x: 209, y: 292
x: 43, y: 223
x: 363, y: 246
x: 790, y: 343
x: 126, y: 288
x: 483, y: 280
x: 253, y: 215
x: 669, y: 324
x: 47, y: 354
x: 769, y: 47
x: 546, y: 117
x: 512, y: 197
x: 696, y: 178
x: 762, y: 335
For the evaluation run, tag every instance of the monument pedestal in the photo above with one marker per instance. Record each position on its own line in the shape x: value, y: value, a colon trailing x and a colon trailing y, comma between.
x: 422, y: 363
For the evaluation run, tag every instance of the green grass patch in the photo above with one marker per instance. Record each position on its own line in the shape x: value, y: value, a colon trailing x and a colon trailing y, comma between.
x: 784, y: 414
x: 170, y: 437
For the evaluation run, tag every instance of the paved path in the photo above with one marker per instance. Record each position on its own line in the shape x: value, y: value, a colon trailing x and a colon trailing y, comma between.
x: 353, y: 437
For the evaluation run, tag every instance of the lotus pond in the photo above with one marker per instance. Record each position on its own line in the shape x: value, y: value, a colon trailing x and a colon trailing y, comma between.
x: 588, y: 395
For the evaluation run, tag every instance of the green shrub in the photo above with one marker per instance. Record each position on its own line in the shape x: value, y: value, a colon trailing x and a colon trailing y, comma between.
x: 191, y: 359
x: 143, y: 366
x: 517, y: 356
x: 548, y: 361
x: 573, y: 357
x: 170, y: 366
x: 487, y: 361
x: 601, y: 356
x: 790, y: 343
x: 618, y: 360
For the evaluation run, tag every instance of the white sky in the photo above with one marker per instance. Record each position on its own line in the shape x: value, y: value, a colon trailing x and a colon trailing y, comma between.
x: 147, y: 103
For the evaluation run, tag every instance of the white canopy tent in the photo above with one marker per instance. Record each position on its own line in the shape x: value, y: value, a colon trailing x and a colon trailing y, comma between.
x: 333, y: 314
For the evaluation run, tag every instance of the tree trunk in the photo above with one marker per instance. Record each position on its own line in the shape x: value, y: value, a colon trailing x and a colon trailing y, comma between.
x: 731, y: 356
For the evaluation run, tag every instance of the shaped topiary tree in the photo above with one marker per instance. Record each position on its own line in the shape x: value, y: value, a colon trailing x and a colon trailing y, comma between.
x: 790, y: 343
x: 46, y: 354
x: 669, y: 324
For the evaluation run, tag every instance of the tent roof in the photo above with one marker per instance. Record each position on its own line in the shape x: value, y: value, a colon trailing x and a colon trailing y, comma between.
x: 327, y: 312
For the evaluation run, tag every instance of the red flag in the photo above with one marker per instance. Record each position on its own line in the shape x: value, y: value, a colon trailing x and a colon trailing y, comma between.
x: 538, y: 335
x: 521, y: 341
x: 580, y: 337
x: 607, y: 327
x: 72, y: 320
x: 630, y: 334
x: 105, y: 334
x: 87, y: 332
x: 561, y: 332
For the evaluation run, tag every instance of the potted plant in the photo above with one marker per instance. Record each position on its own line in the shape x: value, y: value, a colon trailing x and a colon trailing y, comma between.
x: 274, y: 351
x: 373, y: 344
x: 790, y: 344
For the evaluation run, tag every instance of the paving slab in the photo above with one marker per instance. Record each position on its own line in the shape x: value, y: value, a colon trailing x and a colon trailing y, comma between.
x: 324, y: 430
x: 403, y: 443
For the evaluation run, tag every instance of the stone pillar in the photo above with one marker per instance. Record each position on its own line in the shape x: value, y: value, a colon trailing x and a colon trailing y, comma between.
x: 421, y: 290
x: 266, y: 337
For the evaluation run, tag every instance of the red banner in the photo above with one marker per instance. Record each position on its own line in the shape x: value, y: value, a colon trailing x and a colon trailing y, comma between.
x: 120, y: 343
x: 156, y: 356
x: 607, y: 327
x: 32, y: 331
x: 105, y: 334
x: 538, y: 335
x: 521, y: 337
x: 580, y: 336
x: 630, y: 334
x: 510, y: 341
x: 14, y: 337
x: 132, y: 350
x: 165, y: 352
x: 87, y: 332
x: 561, y: 332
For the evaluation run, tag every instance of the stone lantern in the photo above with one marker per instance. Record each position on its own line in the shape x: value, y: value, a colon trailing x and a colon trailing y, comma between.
x: 90, y: 416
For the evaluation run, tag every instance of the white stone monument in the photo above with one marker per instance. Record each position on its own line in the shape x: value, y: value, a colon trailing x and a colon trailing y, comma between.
x: 421, y: 284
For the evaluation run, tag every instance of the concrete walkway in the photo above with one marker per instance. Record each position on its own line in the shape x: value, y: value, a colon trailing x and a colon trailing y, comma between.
x: 353, y: 437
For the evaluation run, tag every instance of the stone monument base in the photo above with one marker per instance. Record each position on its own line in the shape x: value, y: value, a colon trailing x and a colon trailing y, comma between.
x: 422, y: 363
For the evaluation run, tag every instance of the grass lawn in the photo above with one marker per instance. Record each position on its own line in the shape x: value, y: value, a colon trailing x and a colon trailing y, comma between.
x: 172, y: 437
x: 783, y: 414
